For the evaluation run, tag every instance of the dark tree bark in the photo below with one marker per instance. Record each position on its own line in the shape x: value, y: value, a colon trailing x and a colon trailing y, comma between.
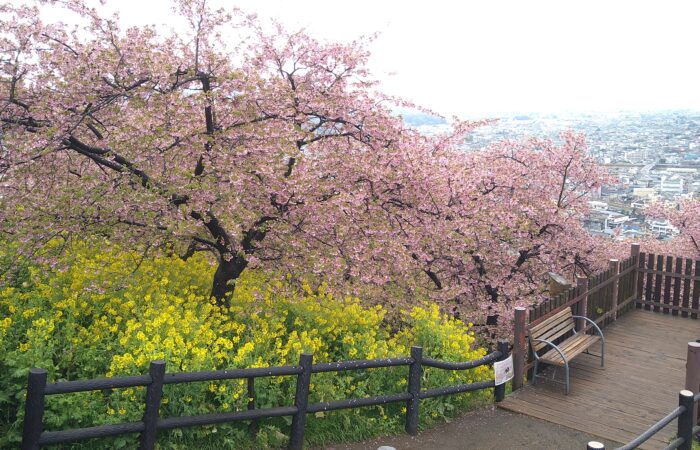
x: 227, y: 272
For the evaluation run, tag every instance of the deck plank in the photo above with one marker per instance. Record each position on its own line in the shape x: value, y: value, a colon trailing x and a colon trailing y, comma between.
x: 645, y: 355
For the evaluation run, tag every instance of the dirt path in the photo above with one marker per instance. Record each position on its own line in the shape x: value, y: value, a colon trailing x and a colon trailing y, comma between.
x: 485, y: 429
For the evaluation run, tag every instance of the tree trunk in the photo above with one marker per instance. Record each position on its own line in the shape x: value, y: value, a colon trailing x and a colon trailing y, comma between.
x: 226, y: 273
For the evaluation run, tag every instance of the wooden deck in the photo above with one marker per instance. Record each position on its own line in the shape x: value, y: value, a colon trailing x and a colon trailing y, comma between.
x: 644, y: 370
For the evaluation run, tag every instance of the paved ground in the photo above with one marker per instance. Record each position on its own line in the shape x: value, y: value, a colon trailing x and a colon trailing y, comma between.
x: 486, y: 429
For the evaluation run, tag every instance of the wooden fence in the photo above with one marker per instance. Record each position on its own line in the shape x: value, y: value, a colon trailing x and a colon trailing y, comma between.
x: 34, y: 436
x: 669, y: 284
x: 645, y: 280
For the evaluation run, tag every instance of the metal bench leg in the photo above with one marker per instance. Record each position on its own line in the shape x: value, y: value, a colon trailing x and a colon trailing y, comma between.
x: 566, y: 367
x: 534, y: 371
x: 602, y: 353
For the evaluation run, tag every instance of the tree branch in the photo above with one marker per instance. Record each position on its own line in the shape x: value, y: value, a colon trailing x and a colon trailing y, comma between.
x: 218, y: 232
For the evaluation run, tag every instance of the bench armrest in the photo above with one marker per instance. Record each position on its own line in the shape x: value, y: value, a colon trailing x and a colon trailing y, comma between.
x: 551, y: 344
x: 595, y: 325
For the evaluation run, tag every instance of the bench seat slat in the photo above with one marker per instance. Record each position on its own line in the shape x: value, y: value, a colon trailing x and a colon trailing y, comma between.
x: 554, y: 333
x: 572, y: 347
x: 553, y: 328
x: 562, y: 315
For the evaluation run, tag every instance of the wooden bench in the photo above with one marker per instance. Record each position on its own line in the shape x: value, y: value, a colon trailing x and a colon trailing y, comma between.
x: 552, y: 333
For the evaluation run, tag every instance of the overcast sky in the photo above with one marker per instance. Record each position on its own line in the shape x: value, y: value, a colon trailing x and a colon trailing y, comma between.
x: 475, y: 58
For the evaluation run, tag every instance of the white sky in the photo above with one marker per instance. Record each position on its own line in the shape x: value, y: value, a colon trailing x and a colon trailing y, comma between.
x: 475, y: 58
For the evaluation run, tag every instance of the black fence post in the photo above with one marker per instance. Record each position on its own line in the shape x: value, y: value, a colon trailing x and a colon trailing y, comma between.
x: 499, y: 392
x: 415, y: 371
x: 595, y: 445
x: 34, y: 409
x: 154, y: 392
x: 685, y: 420
x: 301, y: 400
x: 253, y: 427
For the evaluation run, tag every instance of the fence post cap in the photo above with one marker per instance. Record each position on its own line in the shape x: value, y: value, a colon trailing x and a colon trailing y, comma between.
x: 686, y: 393
x: 158, y: 362
x: 306, y: 358
x: 595, y: 445
x: 520, y: 308
x: 39, y: 371
x: 417, y: 353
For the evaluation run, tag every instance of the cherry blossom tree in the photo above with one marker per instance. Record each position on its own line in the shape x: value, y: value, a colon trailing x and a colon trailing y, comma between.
x: 158, y: 138
x: 684, y: 215
x: 275, y: 152
x: 505, y: 216
x: 687, y: 219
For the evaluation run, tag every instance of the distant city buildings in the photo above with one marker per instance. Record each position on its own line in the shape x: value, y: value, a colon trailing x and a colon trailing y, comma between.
x: 655, y: 156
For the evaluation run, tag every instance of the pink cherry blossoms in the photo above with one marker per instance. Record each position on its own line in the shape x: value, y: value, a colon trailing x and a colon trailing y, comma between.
x: 276, y: 153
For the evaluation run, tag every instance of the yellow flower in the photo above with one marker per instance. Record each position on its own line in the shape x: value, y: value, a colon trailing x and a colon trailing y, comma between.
x: 163, y: 311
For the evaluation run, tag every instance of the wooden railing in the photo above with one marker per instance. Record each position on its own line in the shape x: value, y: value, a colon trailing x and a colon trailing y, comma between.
x: 602, y: 297
x: 37, y: 389
x: 645, y: 280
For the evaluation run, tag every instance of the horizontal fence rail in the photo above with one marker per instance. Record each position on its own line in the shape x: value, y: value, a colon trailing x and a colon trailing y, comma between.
x: 686, y: 426
x: 37, y: 388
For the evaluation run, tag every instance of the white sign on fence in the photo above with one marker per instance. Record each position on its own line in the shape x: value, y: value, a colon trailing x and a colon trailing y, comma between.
x: 503, y: 370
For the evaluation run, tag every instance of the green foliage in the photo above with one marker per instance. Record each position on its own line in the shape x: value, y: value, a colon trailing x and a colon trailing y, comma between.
x: 108, y: 313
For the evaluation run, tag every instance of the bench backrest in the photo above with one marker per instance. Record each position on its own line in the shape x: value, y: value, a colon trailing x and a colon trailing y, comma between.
x: 553, y: 328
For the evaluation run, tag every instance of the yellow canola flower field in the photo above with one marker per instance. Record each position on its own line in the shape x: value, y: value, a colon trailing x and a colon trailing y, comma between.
x: 110, y: 312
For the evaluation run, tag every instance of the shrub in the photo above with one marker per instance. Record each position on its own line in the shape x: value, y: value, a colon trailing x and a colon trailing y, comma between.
x: 108, y: 313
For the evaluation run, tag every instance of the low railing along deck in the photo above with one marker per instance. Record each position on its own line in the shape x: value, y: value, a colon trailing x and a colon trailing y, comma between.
x: 34, y: 436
